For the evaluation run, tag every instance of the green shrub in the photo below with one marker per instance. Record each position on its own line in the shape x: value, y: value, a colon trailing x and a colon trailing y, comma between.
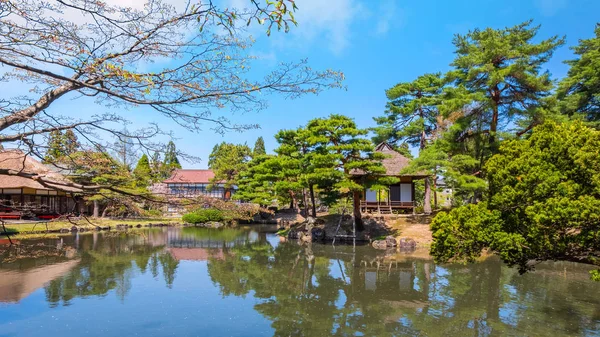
x: 203, y: 216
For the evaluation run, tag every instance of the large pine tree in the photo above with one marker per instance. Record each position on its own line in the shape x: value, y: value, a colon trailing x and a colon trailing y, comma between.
x: 411, y: 117
x: 341, y: 149
x: 71, y: 143
x: 579, y: 92
x: 142, y: 172
x: 227, y: 161
x: 296, y: 159
x: 499, y: 80
x: 56, y: 147
x: 170, y: 162
x: 259, y: 147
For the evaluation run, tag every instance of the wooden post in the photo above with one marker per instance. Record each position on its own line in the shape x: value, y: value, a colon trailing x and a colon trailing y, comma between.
x: 412, y: 196
x: 378, y: 205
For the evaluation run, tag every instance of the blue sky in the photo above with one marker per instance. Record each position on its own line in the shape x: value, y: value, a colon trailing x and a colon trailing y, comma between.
x: 380, y: 43
x: 376, y: 44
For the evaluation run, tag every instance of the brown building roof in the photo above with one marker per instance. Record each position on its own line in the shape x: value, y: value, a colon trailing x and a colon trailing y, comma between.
x: 394, y: 162
x: 181, y: 176
x: 17, y: 161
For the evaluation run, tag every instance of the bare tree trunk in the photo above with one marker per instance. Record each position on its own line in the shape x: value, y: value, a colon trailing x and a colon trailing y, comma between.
x: 427, y: 199
x: 294, y: 202
x: 312, y: 200
x: 357, y: 216
x: 96, y: 209
x: 305, y: 202
x: 105, y: 211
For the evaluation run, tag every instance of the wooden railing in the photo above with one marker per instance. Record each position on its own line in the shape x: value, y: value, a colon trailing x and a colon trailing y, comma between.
x: 385, y: 206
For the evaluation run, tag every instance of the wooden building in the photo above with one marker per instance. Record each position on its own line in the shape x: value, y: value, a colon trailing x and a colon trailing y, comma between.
x: 22, y: 197
x: 396, y: 198
x: 195, y: 183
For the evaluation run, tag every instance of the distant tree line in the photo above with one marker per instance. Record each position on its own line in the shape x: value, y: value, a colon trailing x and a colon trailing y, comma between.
x: 99, y: 167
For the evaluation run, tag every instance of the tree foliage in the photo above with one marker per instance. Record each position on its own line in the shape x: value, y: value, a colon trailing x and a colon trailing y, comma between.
x: 259, y: 147
x: 61, y: 145
x: 543, y: 202
x: 171, y: 161
x: 579, y: 92
x: 498, y: 74
x: 142, y: 172
x: 227, y: 161
x: 257, y: 181
x: 411, y: 116
x: 412, y: 111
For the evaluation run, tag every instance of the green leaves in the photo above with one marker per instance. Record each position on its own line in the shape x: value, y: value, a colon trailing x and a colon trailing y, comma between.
x: 579, y: 92
x: 462, y: 234
x: 227, y: 161
x: 543, y: 202
x: 142, y: 172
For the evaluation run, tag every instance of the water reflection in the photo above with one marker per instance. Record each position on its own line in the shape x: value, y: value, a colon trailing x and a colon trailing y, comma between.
x: 303, y: 290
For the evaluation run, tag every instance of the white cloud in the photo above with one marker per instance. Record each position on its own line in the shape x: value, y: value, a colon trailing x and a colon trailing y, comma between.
x: 550, y: 7
x: 389, y: 17
x: 319, y: 21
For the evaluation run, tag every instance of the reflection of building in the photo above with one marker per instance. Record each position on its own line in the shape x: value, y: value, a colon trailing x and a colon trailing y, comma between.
x: 195, y: 254
x: 16, y: 285
x: 396, y: 197
x: 21, y: 196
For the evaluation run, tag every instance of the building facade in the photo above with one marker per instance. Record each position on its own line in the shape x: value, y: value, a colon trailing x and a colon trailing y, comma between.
x: 396, y: 198
x: 23, y: 197
x: 196, y: 183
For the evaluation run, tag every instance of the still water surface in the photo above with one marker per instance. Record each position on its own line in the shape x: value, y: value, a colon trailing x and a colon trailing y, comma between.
x: 244, y: 282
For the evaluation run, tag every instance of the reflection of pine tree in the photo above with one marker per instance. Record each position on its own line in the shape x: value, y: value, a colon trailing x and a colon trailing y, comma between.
x: 107, y: 267
x: 169, y: 268
x: 154, y: 266
x: 123, y: 284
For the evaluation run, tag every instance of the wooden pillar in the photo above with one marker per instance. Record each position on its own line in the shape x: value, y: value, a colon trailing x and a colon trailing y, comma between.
x: 412, y: 195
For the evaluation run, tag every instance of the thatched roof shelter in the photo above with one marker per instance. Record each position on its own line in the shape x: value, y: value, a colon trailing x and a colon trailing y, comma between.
x: 16, y: 162
x: 394, y: 163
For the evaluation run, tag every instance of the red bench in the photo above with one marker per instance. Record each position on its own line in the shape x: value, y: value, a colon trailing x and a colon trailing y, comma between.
x: 10, y: 216
x: 48, y: 216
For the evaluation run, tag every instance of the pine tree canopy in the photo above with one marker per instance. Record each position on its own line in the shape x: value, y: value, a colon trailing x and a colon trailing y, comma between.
x: 498, y: 75
x: 227, y: 161
x: 171, y: 162
x: 411, y: 112
x: 579, y: 92
x: 259, y: 147
x: 143, y: 172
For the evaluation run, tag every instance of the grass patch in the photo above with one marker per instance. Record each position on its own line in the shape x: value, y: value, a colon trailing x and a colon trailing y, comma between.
x: 34, y: 227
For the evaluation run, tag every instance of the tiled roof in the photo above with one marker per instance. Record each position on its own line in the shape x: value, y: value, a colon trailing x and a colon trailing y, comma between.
x: 182, y: 176
x: 17, y: 161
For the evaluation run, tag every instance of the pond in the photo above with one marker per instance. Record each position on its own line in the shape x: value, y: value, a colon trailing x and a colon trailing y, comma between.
x: 245, y: 282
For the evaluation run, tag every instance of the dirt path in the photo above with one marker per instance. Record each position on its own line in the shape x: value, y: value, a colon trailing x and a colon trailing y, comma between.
x: 416, y: 228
